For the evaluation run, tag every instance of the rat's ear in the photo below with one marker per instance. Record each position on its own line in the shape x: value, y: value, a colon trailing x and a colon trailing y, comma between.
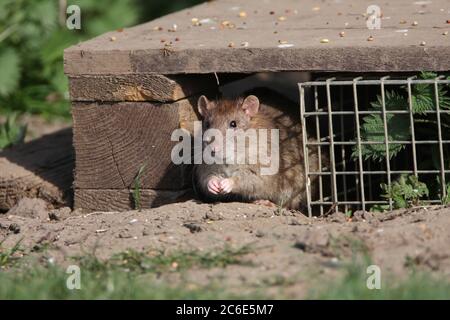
x: 251, y: 105
x: 204, y: 105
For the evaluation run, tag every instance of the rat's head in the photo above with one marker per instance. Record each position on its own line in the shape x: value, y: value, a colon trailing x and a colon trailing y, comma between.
x: 226, y: 116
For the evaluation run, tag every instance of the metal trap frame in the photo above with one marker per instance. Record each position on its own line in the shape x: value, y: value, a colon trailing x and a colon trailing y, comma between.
x: 347, y: 181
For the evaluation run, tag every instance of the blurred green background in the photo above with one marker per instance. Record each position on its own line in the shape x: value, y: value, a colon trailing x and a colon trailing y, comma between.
x: 32, y: 40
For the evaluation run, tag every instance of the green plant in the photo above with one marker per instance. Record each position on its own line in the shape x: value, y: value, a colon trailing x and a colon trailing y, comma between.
x: 446, y: 199
x: 137, y: 188
x: 405, y: 192
x: 11, y: 132
x: 7, y: 256
x: 423, y: 99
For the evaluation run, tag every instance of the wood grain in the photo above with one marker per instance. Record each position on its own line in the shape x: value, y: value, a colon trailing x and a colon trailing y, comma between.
x: 151, y: 47
x: 41, y: 168
x: 138, y: 87
x: 113, y: 140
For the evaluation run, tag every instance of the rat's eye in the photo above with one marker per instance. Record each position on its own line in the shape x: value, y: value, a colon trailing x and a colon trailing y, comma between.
x: 233, y: 124
x: 207, y: 125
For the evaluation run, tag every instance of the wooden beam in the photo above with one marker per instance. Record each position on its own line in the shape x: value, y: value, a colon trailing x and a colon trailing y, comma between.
x: 286, y: 35
x: 121, y: 200
x: 41, y: 168
x: 138, y: 87
x: 114, y: 140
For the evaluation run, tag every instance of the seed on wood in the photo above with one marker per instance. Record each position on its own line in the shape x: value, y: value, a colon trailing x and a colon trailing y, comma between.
x: 415, y: 23
x: 315, y: 8
x: 272, y: 12
x: 342, y: 34
x: 275, y: 32
x: 324, y: 40
x: 282, y: 41
x: 195, y: 22
x: 243, y: 14
x: 423, y: 43
x: 163, y: 40
x: 282, y: 18
x: 445, y: 33
x: 402, y: 21
x: 157, y: 28
x: 174, y: 28
x: 370, y: 38
x: 177, y: 39
x: 245, y: 44
x: 113, y: 38
x: 231, y: 45
x: 227, y: 24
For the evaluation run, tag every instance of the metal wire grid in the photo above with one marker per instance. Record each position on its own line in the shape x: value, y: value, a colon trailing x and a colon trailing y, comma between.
x: 361, y: 200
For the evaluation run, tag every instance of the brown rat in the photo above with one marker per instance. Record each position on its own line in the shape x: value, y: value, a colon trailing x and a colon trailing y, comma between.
x: 245, y: 181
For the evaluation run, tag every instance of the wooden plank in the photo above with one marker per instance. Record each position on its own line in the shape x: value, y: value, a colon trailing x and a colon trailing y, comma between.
x: 138, y: 87
x: 113, y: 140
x: 205, y: 48
x: 41, y: 168
x: 122, y: 200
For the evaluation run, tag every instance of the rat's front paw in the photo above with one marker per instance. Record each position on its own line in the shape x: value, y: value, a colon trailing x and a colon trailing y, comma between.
x: 226, y: 185
x: 214, y: 185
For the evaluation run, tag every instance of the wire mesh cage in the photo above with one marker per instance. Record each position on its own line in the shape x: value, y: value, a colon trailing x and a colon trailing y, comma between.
x: 373, y: 136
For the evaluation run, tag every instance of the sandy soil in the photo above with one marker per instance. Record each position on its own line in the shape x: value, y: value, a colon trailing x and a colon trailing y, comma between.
x: 287, y: 247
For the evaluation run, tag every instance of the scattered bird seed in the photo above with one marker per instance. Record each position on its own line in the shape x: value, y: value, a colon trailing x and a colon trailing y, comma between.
x: 415, y: 23
x: 282, y: 18
x: 282, y: 41
x: 445, y: 33
x: 315, y: 8
x: 157, y: 28
x: 324, y: 40
x: 245, y: 44
x: 342, y: 34
x: 243, y: 14
x: 423, y: 44
x: 272, y: 12
x: 370, y: 38
x: 402, y: 21
x: 231, y: 45
x: 113, y: 38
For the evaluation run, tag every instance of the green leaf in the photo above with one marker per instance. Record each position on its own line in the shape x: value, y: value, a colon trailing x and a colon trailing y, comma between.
x: 10, y: 71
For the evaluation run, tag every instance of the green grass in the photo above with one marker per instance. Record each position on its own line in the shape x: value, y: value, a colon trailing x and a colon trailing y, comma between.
x: 159, y: 262
x: 415, y: 286
x: 8, y: 256
x: 50, y: 283
x: 11, y: 132
x: 128, y: 275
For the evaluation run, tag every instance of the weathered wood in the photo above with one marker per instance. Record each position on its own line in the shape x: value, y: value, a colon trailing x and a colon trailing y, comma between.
x: 113, y: 141
x: 121, y: 200
x: 41, y: 168
x: 138, y: 87
x: 298, y: 26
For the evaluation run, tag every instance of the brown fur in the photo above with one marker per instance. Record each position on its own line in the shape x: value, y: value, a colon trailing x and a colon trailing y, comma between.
x: 285, y: 188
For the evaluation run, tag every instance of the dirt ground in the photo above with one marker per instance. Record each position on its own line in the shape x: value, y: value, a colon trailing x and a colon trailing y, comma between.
x: 286, y: 247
